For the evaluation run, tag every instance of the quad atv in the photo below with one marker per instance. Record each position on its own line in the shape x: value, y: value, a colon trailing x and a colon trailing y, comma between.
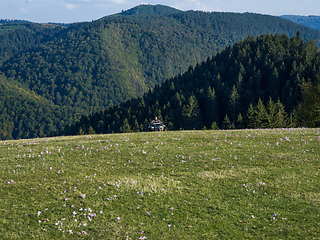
x: 156, y: 126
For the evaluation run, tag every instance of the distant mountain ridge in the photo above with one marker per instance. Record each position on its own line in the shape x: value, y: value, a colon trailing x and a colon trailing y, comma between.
x: 310, y: 21
x: 145, y: 9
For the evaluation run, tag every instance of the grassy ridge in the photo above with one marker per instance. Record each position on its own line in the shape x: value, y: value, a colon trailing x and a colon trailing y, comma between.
x: 172, y: 185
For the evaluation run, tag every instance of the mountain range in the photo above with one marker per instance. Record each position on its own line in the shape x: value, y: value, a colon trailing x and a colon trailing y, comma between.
x: 52, y: 74
x: 310, y: 21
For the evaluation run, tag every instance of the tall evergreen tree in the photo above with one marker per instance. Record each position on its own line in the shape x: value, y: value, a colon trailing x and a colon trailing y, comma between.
x: 234, y: 103
x: 308, y: 110
x: 272, y: 114
x: 262, y: 115
x: 240, y: 122
x: 274, y: 84
x: 251, y: 116
x: 227, y: 124
x: 211, y: 108
x: 282, y: 116
x: 191, y: 114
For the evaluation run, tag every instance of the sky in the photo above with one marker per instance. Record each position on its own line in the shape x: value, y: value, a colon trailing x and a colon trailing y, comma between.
x: 68, y: 11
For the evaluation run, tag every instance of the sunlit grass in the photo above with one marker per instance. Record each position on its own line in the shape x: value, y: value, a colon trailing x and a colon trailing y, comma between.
x: 173, y: 185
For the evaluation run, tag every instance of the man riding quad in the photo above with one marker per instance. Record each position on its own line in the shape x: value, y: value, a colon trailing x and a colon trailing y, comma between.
x: 156, y: 125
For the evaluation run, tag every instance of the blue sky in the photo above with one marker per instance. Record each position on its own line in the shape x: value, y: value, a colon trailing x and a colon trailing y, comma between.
x: 66, y: 11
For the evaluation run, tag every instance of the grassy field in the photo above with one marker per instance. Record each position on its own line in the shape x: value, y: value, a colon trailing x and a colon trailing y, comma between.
x: 261, y: 184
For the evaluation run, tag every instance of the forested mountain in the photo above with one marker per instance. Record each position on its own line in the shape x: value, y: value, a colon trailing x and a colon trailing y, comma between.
x: 6, y: 21
x: 25, y: 114
x: 86, y: 67
x: 308, y: 21
x: 17, y: 37
x: 146, y: 9
x: 255, y: 83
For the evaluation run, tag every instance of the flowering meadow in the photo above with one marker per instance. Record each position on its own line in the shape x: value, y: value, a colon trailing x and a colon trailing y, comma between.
x: 233, y: 184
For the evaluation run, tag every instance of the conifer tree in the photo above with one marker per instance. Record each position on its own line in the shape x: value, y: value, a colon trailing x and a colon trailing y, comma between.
x: 214, y: 126
x: 91, y: 130
x: 234, y: 103
x: 308, y: 110
x: 274, y: 84
x: 251, y: 116
x: 227, y: 124
x: 239, y: 122
x: 262, y: 115
x: 272, y: 113
x: 191, y: 115
x: 81, y: 132
x: 136, y: 127
x: 125, y: 127
x: 282, y: 116
x: 211, y: 108
x: 100, y: 127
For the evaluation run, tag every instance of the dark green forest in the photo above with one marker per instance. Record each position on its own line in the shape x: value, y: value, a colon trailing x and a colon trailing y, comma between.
x: 146, y: 9
x: 257, y: 83
x: 26, y: 115
x: 84, y: 68
x: 308, y: 21
x: 17, y: 37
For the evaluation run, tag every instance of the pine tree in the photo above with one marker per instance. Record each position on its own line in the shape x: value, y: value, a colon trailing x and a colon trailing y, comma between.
x: 274, y: 84
x: 293, y: 120
x: 214, y: 126
x: 81, y: 132
x: 262, y: 115
x: 191, y: 115
x: 101, y: 127
x: 136, y: 127
x: 251, y: 116
x: 91, y: 130
x: 272, y: 113
x: 308, y: 110
x: 240, y: 123
x: 282, y: 116
x: 211, y: 108
x: 226, y: 124
x: 125, y: 127
x: 234, y: 103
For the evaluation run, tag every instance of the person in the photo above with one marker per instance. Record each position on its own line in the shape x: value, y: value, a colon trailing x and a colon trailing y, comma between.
x: 155, y: 120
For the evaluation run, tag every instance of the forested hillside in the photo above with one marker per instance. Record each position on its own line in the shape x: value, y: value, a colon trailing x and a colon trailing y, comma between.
x: 17, y: 37
x: 308, y: 21
x: 23, y: 114
x: 255, y: 83
x: 146, y: 9
x: 89, y: 66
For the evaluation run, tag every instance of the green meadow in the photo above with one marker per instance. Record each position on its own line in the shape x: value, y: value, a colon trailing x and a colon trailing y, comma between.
x: 237, y: 184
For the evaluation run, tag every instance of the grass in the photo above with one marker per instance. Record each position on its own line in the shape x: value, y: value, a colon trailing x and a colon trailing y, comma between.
x: 261, y: 184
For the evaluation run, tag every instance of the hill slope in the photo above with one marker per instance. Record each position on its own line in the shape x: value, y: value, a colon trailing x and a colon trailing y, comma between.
x: 308, y: 21
x: 87, y: 67
x: 24, y: 114
x: 17, y: 37
x: 249, y: 184
x: 222, y: 90
x: 146, y: 9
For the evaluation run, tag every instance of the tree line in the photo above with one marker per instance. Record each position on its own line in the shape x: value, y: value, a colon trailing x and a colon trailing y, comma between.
x: 258, y: 83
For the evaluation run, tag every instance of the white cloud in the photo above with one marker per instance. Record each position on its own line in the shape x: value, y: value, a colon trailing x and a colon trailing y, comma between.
x: 69, y: 5
x: 95, y: 1
x: 23, y: 9
x: 194, y: 5
x: 112, y: 1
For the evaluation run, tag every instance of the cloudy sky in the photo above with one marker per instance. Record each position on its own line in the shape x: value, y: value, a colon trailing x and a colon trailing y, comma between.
x: 66, y: 11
